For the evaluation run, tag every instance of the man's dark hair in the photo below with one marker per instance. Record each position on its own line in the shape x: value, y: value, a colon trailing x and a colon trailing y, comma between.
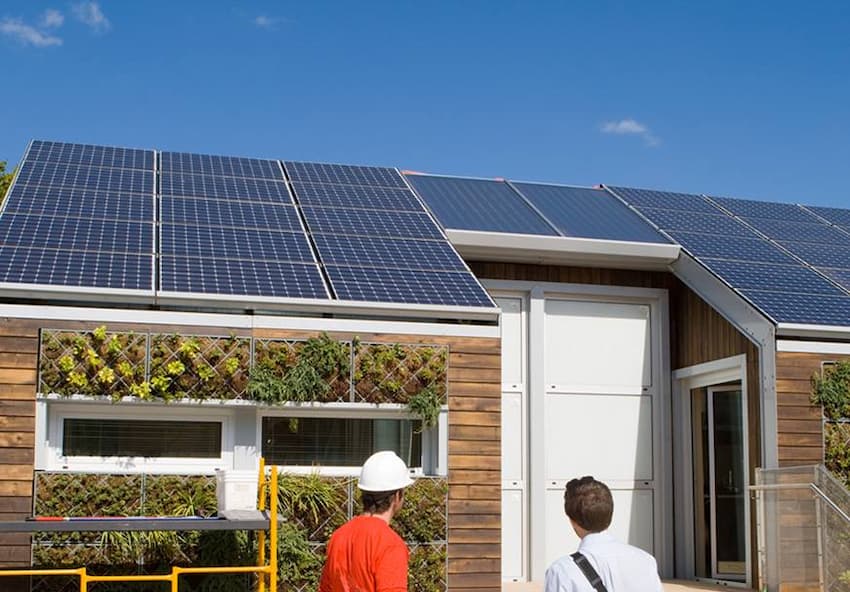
x: 589, y: 504
x: 377, y: 502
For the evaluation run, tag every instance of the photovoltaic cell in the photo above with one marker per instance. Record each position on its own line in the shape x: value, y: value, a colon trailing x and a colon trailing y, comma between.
x: 85, y: 177
x: 241, y: 188
x: 648, y: 198
x: 341, y: 174
x: 223, y: 166
x: 370, y: 223
x: 76, y: 233
x: 218, y: 212
x: 811, y: 309
x: 407, y: 286
x: 771, y: 277
x: 88, y: 155
x: 588, y: 213
x: 234, y: 243
x: 383, y: 252
x: 82, y: 203
x: 838, y: 216
x: 730, y: 247
x: 841, y: 276
x: 354, y: 196
x: 24, y: 265
x: 478, y: 204
x: 815, y: 254
x: 719, y: 223
x: 234, y: 277
x: 790, y: 230
x: 749, y: 208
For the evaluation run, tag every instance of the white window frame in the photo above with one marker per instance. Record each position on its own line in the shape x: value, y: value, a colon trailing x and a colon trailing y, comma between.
x: 434, y: 440
x: 58, y: 411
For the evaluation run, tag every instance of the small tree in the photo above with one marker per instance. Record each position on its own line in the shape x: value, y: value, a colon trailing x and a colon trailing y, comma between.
x: 5, y: 179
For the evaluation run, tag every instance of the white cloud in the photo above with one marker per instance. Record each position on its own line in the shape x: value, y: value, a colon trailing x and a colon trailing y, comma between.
x: 51, y: 19
x: 91, y: 14
x: 26, y: 34
x: 265, y: 22
x: 630, y: 127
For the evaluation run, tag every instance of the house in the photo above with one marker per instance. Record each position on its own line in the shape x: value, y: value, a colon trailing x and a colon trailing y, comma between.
x: 661, y: 342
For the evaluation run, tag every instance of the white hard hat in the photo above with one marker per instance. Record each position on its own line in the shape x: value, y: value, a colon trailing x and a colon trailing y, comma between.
x: 384, y: 471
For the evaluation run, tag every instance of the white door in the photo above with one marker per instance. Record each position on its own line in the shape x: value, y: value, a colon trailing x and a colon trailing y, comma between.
x: 599, y: 415
x: 514, y: 457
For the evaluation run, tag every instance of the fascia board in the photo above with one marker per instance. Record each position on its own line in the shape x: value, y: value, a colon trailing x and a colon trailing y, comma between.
x: 813, y: 331
x: 556, y: 250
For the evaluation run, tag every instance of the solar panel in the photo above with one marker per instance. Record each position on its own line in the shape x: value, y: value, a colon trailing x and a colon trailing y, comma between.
x: 735, y: 248
x: 78, y: 234
x: 588, y: 213
x: 666, y: 200
x: 96, y: 156
x: 772, y: 277
x: 341, y: 174
x: 477, y: 204
x: 704, y: 223
x: 234, y: 243
x: 25, y: 265
x: 55, y: 174
x: 218, y: 212
x: 808, y: 309
x: 370, y: 223
x: 407, y: 286
x: 404, y: 254
x: 815, y: 254
x: 762, y: 209
x: 223, y: 166
x: 838, y: 216
x: 234, y: 277
x: 791, y: 230
x: 61, y: 201
x: 353, y: 196
x: 211, y: 187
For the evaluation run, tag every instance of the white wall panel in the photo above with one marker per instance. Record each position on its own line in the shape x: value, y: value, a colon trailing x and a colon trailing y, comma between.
x: 512, y: 537
x: 597, y: 346
x: 512, y: 449
x: 512, y: 340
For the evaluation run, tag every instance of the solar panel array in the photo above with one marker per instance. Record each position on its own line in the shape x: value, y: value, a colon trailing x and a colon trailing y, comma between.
x: 763, y: 250
x: 229, y: 226
x: 375, y: 239
x: 80, y: 216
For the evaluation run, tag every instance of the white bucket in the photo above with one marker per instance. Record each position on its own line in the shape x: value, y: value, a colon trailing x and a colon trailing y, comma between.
x: 236, y: 490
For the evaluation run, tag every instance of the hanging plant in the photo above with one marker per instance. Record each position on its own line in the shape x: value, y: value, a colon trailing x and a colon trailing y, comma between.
x: 831, y: 389
x: 426, y: 406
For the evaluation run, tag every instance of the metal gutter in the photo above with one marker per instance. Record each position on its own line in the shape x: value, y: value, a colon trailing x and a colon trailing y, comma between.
x: 556, y: 250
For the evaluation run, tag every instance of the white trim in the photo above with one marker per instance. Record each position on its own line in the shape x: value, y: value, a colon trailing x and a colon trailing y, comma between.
x: 58, y: 411
x: 241, y: 321
x: 814, y: 331
x: 530, y: 248
x: 812, y: 347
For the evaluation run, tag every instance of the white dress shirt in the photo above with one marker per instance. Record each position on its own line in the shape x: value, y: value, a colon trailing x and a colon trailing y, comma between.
x: 622, y: 567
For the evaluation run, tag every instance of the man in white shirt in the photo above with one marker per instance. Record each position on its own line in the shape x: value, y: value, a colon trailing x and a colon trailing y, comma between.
x: 614, y: 566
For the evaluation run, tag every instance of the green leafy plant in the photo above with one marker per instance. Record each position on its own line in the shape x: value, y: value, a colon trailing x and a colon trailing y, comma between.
x: 426, y: 405
x: 831, y: 389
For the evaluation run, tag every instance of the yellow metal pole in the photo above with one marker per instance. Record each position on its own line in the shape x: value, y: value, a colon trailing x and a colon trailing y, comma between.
x: 84, y: 580
x: 273, y: 532
x: 261, y: 537
x: 175, y: 574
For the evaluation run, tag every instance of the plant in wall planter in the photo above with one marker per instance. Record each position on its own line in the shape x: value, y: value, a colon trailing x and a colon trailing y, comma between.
x: 94, y: 363
x: 831, y: 391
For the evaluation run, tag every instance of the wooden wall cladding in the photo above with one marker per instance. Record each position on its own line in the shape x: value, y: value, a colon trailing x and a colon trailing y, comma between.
x: 800, y: 422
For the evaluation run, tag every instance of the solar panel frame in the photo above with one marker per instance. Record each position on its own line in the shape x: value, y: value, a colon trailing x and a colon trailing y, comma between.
x: 90, y: 155
x: 479, y: 205
x: 364, y: 251
x: 343, y: 174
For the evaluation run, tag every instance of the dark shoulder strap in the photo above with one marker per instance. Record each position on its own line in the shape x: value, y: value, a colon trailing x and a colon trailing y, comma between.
x: 588, y: 571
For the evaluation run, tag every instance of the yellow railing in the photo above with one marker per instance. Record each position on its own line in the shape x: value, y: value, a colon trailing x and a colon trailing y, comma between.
x: 265, y: 571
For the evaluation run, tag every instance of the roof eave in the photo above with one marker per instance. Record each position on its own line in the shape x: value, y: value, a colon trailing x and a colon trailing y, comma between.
x: 812, y: 331
x: 476, y: 245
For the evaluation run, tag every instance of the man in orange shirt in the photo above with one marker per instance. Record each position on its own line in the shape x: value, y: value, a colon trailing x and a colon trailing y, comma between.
x: 365, y: 554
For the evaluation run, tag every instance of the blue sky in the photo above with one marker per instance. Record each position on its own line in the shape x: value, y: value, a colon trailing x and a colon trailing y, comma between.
x: 750, y: 99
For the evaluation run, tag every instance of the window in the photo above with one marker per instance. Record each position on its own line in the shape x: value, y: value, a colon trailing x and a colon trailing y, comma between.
x: 338, y: 441
x: 141, y: 438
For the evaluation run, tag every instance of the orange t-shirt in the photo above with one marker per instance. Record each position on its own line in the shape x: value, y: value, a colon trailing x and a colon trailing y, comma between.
x: 365, y: 555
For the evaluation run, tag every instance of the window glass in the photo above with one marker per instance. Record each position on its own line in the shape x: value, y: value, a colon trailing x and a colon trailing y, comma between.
x: 338, y: 442
x: 141, y: 438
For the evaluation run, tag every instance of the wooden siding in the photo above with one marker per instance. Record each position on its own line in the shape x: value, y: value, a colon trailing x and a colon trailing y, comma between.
x: 474, y: 439
x: 800, y: 422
